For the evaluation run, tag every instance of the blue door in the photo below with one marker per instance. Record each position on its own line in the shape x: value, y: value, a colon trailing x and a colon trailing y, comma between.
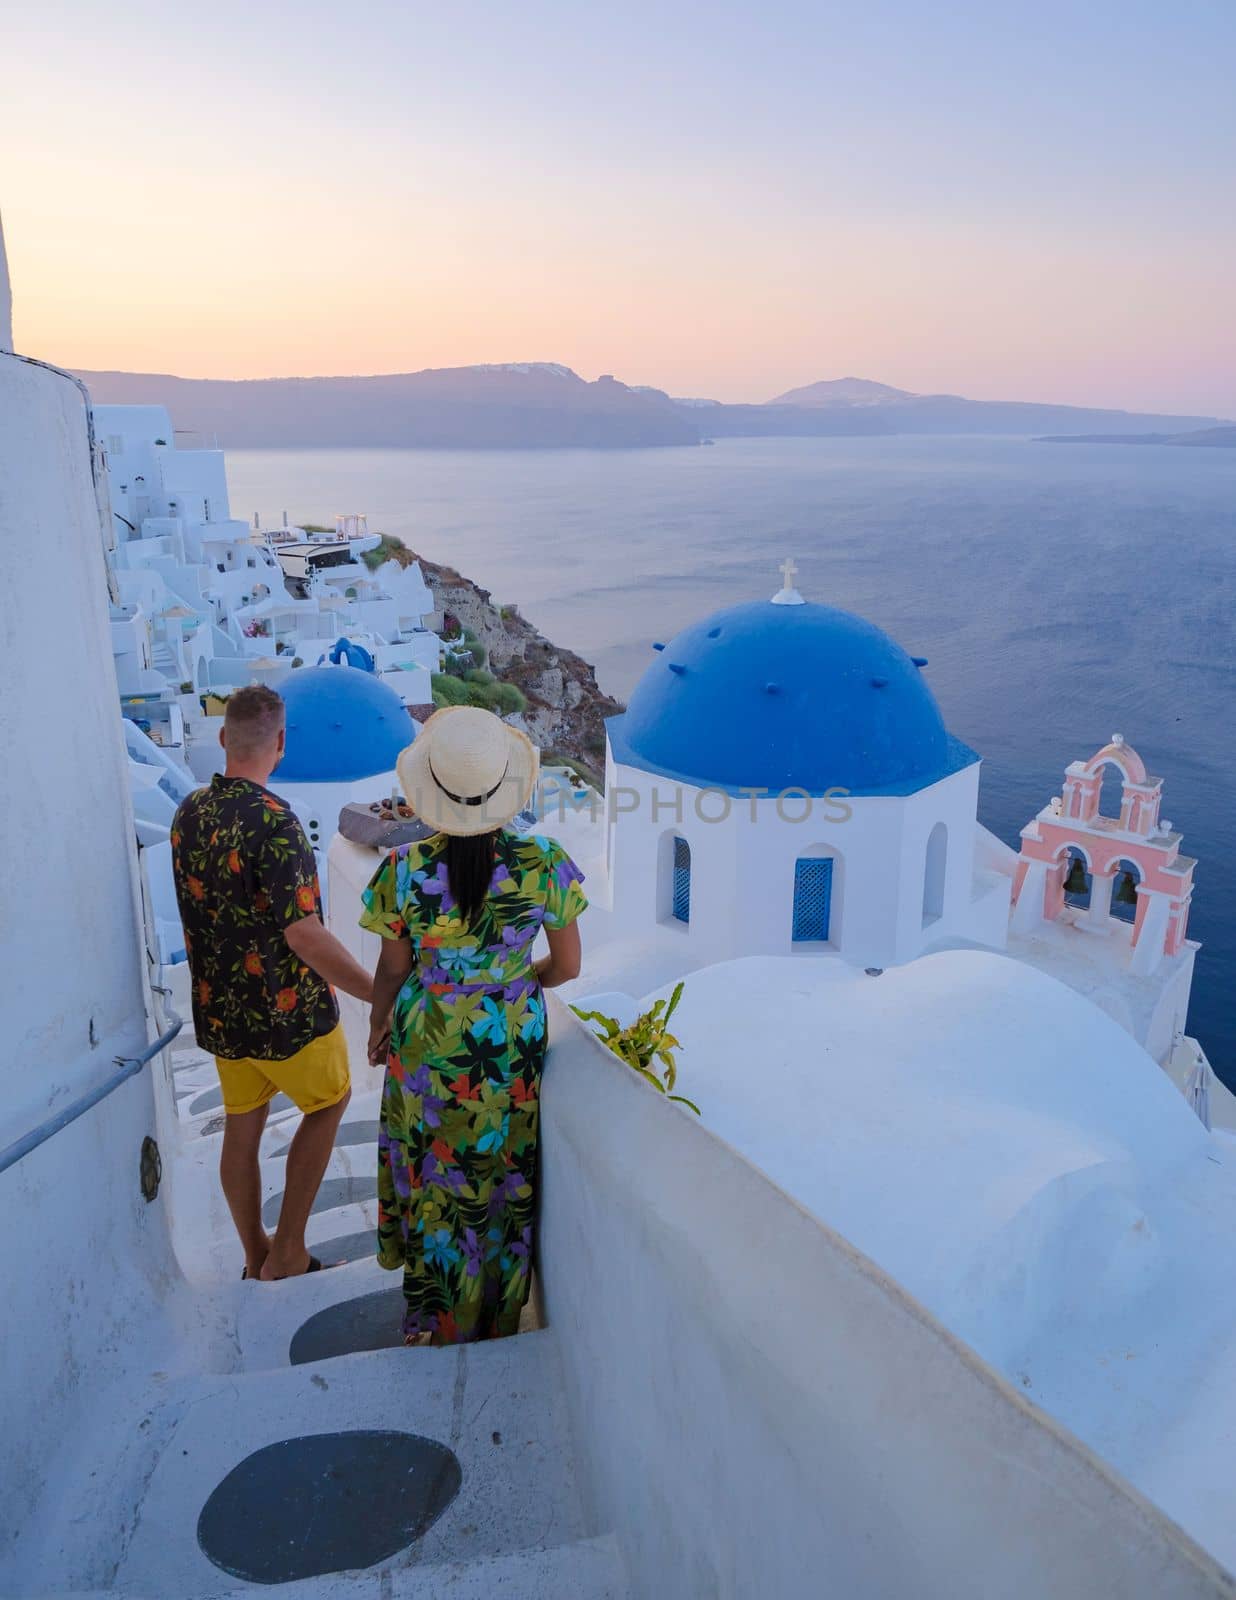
x: 813, y: 894
x: 682, y: 881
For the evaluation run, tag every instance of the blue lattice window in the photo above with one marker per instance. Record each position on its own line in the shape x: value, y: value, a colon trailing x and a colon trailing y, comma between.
x: 680, y: 904
x: 813, y: 894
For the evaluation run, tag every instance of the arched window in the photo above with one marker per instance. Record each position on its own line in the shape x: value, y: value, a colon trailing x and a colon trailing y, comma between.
x: 1076, y: 879
x: 933, y: 874
x: 813, y: 898
x: 1111, y: 791
x: 1124, y: 891
x: 680, y: 897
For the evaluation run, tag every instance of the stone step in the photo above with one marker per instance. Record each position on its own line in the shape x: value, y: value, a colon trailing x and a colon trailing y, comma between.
x: 586, y: 1569
x: 477, y: 1434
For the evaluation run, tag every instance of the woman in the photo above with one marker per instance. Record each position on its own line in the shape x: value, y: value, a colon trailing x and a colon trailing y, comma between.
x: 460, y: 998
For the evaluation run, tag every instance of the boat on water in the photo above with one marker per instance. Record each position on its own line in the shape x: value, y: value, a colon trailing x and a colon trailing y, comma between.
x: 933, y: 1298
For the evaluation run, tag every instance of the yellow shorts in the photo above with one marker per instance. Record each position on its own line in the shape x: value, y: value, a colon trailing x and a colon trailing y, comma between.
x: 315, y: 1077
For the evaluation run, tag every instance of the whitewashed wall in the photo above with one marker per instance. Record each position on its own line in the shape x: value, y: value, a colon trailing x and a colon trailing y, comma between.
x: 760, y: 1411
x: 1170, y: 1012
x: 317, y: 807
x: 81, y: 1252
x: 742, y: 872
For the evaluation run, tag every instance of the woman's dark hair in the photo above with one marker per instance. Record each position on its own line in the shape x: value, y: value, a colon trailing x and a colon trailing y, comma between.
x: 469, y: 868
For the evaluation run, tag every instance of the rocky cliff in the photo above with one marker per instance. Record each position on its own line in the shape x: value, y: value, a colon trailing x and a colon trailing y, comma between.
x: 566, y: 709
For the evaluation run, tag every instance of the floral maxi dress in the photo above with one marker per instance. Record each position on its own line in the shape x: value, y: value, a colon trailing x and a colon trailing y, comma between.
x: 457, y: 1141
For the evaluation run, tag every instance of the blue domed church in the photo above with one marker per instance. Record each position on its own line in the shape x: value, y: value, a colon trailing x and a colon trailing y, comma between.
x: 783, y: 782
x: 345, y: 729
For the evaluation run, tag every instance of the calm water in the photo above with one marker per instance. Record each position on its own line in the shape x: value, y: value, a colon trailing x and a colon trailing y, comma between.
x: 1062, y: 592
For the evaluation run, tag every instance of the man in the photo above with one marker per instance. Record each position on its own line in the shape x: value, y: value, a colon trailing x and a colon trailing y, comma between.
x: 262, y: 966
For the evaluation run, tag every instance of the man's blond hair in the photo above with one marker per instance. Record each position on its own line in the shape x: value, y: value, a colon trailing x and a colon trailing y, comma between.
x: 252, y: 720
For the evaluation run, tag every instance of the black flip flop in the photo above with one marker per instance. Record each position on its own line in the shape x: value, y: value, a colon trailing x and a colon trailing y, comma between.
x: 314, y: 1266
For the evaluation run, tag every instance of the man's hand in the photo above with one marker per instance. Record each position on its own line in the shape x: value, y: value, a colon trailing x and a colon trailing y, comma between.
x: 318, y: 948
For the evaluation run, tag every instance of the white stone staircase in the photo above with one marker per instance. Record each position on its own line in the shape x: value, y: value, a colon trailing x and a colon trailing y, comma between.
x: 163, y: 659
x: 216, y: 1385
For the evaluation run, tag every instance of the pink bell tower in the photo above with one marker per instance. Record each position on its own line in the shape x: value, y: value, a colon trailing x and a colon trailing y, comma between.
x: 1071, y: 836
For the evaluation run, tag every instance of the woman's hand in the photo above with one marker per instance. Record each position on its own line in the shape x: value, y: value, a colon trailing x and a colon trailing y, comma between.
x: 394, y: 965
x: 379, y: 1039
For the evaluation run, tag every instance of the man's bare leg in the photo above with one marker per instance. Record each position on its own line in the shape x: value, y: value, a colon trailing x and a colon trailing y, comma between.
x: 307, y: 1157
x: 241, y: 1177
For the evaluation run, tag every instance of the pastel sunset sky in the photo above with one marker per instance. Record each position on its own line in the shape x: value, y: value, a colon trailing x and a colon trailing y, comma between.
x: 1007, y: 200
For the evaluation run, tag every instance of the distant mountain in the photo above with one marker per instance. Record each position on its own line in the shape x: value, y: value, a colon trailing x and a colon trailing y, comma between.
x: 841, y: 392
x: 1222, y: 438
x: 859, y: 406
x: 519, y: 406
x: 537, y: 405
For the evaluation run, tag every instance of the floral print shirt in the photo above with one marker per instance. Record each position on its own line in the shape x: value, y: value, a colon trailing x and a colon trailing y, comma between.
x: 244, y: 872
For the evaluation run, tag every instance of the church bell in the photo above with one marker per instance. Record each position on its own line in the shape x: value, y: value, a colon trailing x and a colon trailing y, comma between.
x: 1075, y: 882
x: 1126, y: 890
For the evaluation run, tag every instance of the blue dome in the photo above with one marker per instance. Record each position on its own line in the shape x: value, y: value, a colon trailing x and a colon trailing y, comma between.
x: 343, y: 724
x: 787, y: 696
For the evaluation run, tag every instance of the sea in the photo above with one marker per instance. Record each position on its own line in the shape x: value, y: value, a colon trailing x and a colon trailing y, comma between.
x: 1061, y: 592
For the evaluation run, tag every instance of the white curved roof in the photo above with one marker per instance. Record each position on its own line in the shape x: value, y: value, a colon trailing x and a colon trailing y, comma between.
x: 1021, y: 1165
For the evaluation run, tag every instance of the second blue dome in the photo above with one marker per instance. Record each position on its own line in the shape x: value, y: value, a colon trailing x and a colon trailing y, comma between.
x: 342, y: 724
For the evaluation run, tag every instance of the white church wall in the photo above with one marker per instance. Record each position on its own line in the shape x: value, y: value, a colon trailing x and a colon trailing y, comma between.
x: 317, y: 806
x: 1168, y: 1018
x: 969, y: 907
x: 743, y: 868
x: 988, y: 915
x: 81, y: 1250
x: 848, y: 1432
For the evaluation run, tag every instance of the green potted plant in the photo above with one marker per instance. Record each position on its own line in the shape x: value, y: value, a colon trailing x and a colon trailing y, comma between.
x: 644, y: 1043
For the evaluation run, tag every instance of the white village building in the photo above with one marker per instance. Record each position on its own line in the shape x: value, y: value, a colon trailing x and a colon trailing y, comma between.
x: 202, y: 603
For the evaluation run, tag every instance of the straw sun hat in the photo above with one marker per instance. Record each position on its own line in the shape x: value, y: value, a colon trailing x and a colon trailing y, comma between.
x: 468, y: 771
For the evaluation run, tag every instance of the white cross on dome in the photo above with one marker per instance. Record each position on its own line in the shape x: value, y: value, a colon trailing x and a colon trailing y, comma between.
x: 788, y: 595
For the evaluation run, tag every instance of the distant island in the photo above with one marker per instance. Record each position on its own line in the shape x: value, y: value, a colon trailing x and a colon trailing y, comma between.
x: 843, y: 392
x: 539, y: 405
x: 1221, y: 438
x: 526, y: 406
